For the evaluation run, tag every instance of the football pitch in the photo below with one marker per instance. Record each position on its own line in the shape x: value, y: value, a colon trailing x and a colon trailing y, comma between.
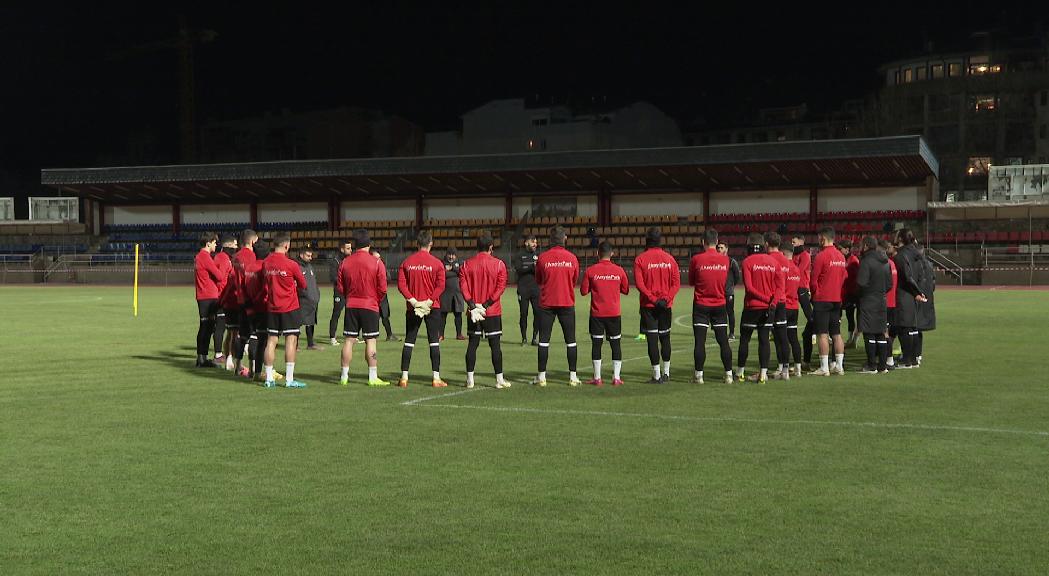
x: 117, y: 456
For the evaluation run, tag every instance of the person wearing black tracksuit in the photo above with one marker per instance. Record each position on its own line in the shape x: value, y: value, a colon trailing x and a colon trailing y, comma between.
x: 926, y: 310
x: 735, y: 276
x: 345, y: 249
x: 873, y: 282
x: 909, y: 295
x: 528, y: 289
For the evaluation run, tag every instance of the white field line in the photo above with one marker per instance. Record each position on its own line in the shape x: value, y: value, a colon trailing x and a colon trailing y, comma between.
x: 729, y: 419
x: 439, y: 396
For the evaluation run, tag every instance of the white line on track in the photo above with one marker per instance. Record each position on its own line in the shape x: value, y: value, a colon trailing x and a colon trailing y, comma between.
x: 439, y: 396
x: 728, y: 419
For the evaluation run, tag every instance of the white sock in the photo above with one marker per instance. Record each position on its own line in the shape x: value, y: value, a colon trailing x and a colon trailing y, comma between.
x: 404, y: 374
x: 699, y: 374
x: 344, y: 372
x: 542, y: 376
x: 617, y: 366
x: 840, y: 360
x: 572, y: 377
x: 764, y: 373
x: 666, y: 368
x: 739, y: 371
x: 289, y: 369
x: 597, y: 369
x: 656, y: 373
x: 498, y: 378
x: 890, y: 361
x: 728, y: 374
x: 436, y: 375
x: 269, y: 373
x: 469, y: 377
x: 824, y: 363
x: 373, y: 373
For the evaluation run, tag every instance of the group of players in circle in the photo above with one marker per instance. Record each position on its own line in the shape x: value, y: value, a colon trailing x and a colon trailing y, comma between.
x: 256, y: 292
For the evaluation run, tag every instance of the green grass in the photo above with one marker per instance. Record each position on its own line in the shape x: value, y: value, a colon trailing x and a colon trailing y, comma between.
x: 118, y: 457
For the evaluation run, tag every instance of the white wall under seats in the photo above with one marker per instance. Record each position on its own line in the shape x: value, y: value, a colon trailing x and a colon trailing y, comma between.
x: 215, y: 213
x: 759, y: 202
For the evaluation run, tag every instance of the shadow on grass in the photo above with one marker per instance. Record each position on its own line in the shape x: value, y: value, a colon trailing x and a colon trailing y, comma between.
x: 186, y: 364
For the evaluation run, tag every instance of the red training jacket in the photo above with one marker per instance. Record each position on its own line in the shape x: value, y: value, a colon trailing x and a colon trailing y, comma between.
x: 242, y: 261
x: 803, y: 260
x: 557, y: 272
x: 760, y: 272
x: 284, y: 279
x: 828, y: 275
x: 657, y: 277
x: 228, y: 288
x: 206, y: 276
x: 708, y: 273
x: 255, y: 296
x: 605, y: 281
x: 852, y: 269
x: 482, y: 279
x: 362, y: 280
x: 793, y: 284
x: 421, y: 276
x: 890, y: 298
x: 781, y: 276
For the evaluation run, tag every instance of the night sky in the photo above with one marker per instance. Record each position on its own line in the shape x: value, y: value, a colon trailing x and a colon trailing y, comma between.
x: 431, y: 63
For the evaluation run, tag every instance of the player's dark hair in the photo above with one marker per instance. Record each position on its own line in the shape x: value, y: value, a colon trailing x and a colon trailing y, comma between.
x: 246, y: 236
x: 604, y: 249
x: 827, y: 232
x: 485, y: 242
x: 653, y: 237
x: 558, y: 235
x: 905, y: 236
x: 261, y: 249
x: 424, y: 237
x: 884, y: 245
x: 799, y: 236
x: 227, y: 239
x: 361, y: 239
x: 206, y: 237
x: 530, y: 237
x: 787, y: 249
x: 869, y: 243
x: 451, y: 251
x: 755, y: 242
x: 772, y: 239
x: 845, y: 243
x: 710, y: 238
x: 280, y: 239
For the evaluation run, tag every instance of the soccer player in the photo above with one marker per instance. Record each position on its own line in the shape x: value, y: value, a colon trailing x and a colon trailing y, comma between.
x: 708, y: 273
x: 760, y: 273
x: 852, y: 268
x: 224, y: 262
x: 873, y: 282
x: 421, y: 282
x: 734, y: 278
x: 310, y: 299
x: 803, y: 261
x: 528, y: 289
x: 362, y: 283
x: 256, y: 295
x: 345, y: 249
x: 452, y: 299
x: 557, y: 272
x: 483, y: 281
x: 229, y: 304
x: 827, y: 283
x: 890, y: 302
x: 284, y: 280
x: 793, y: 293
x: 926, y: 310
x: 779, y: 319
x: 605, y: 281
x: 243, y: 260
x: 909, y: 295
x: 207, y: 277
x: 658, y: 280
x: 384, y: 305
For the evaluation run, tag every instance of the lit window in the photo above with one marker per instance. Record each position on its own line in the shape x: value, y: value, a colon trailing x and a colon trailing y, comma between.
x: 954, y: 69
x: 984, y: 68
x: 978, y: 165
x: 920, y: 73
x: 984, y: 103
x: 908, y: 75
x: 937, y: 71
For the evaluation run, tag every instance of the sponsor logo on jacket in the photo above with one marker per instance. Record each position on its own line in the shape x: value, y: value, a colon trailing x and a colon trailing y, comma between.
x: 838, y: 263
x: 561, y: 264
x: 657, y: 265
x: 713, y: 268
x: 419, y: 268
x: 763, y: 268
x: 613, y: 277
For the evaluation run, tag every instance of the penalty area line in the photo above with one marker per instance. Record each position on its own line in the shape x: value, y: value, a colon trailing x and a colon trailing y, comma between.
x: 735, y: 420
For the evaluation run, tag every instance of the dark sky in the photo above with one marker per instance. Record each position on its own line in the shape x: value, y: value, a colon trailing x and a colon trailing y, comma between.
x: 430, y: 62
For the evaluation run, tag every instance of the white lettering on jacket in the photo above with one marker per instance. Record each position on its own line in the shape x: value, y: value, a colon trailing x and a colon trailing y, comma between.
x: 614, y: 277
x: 763, y: 268
x: 713, y: 268
x: 562, y: 264
x: 420, y: 268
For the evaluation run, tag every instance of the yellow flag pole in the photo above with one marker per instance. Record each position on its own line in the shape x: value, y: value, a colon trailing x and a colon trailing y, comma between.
x: 135, y: 304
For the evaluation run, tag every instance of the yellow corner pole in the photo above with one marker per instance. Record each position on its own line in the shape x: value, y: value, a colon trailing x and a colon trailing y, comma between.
x: 135, y: 298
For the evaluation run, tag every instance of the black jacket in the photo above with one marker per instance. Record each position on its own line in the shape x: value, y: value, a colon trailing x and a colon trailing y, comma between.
x: 873, y: 281
x: 927, y: 282
x: 524, y: 266
x: 735, y: 276
x: 909, y: 278
x: 311, y: 296
x: 333, y: 272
